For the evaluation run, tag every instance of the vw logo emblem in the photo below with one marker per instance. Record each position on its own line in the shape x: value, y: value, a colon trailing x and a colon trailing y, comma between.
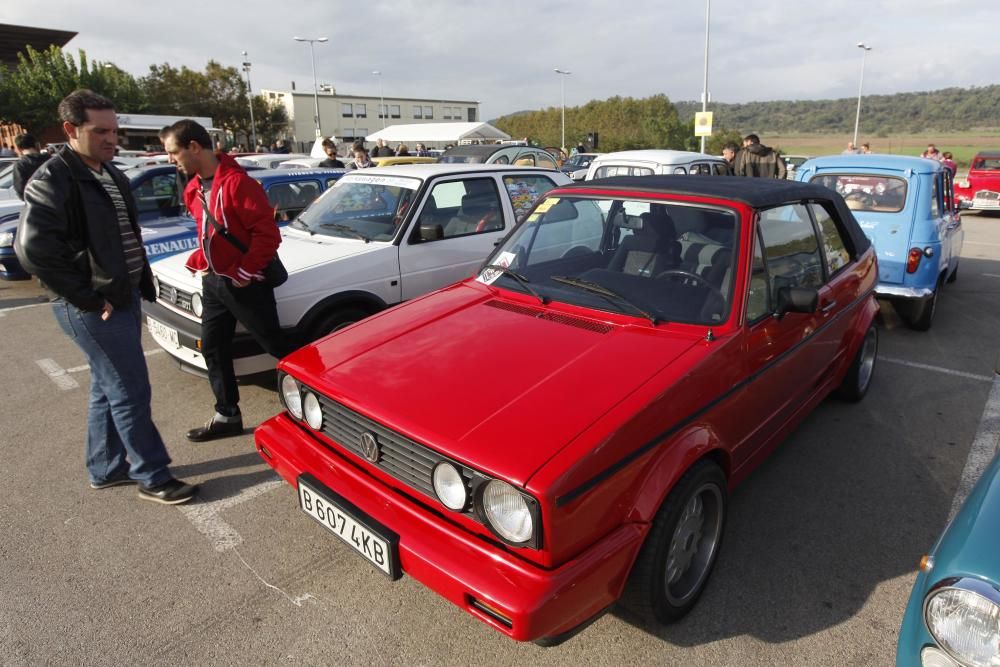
x: 370, y: 447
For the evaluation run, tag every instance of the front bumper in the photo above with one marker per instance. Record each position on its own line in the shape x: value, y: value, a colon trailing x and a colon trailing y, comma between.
x: 10, y: 266
x: 460, y: 566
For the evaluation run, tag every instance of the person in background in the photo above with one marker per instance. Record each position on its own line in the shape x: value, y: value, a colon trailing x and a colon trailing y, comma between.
x: 866, y: 149
x: 931, y: 153
x: 281, y: 147
x: 78, y: 203
x: 759, y: 161
x: 31, y: 159
x: 361, y: 159
x: 330, y: 148
x: 382, y: 149
x: 402, y: 150
x: 729, y: 153
x: 422, y: 150
x: 851, y: 149
x: 949, y: 163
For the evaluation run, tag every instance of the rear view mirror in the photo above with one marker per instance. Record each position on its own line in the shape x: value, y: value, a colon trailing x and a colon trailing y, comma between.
x: 797, y: 300
x: 431, y: 232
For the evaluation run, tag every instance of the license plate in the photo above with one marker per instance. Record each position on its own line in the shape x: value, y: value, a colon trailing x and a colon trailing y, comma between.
x: 374, y: 542
x: 161, y: 332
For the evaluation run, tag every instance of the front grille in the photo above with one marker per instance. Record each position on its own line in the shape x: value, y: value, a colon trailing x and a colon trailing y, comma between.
x: 400, y: 457
x: 988, y: 195
x: 175, y: 297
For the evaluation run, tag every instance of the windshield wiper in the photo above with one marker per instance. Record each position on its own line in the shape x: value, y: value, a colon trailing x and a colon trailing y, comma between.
x: 346, y: 229
x: 522, y: 280
x: 608, y: 294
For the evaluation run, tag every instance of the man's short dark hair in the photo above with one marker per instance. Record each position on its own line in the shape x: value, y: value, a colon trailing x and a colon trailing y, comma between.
x: 327, y: 143
x: 731, y: 146
x: 185, y: 131
x: 752, y: 138
x: 25, y: 141
x: 73, y: 108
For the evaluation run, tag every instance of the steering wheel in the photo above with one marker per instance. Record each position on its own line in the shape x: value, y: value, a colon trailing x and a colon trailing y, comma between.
x: 689, y: 276
x: 861, y: 198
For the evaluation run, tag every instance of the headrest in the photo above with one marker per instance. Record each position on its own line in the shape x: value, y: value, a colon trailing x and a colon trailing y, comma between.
x: 477, y: 205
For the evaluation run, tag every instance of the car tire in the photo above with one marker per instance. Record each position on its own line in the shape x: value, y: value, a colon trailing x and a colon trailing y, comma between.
x: 859, y: 375
x: 336, y: 320
x: 954, y: 275
x: 920, y: 315
x: 681, y: 548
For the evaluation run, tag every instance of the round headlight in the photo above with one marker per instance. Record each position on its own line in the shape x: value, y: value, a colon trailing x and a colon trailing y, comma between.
x: 292, y: 397
x: 196, y: 306
x: 312, y: 411
x: 449, y: 486
x: 964, y: 623
x: 507, y: 511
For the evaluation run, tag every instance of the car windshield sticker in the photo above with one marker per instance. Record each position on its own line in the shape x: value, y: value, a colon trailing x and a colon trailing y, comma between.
x: 488, y: 276
x: 522, y: 196
x: 395, y: 181
x: 547, y: 204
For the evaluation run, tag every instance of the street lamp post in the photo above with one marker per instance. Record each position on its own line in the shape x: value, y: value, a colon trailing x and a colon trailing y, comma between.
x: 312, y: 53
x: 253, y: 126
x: 562, y: 97
x: 857, y: 118
x: 704, y: 88
x: 382, y: 111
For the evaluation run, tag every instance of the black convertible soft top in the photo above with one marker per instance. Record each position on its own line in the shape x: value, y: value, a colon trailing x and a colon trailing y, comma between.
x: 756, y: 192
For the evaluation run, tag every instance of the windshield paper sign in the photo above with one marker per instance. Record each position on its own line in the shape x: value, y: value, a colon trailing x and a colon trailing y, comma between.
x: 488, y: 276
x: 392, y: 181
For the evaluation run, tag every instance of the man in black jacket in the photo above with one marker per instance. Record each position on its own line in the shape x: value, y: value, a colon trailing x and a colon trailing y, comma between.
x: 79, y: 234
x: 759, y: 161
x: 31, y: 160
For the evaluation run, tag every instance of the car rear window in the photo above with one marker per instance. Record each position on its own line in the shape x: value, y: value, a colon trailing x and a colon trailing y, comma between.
x: 607, y: 171
x: 867, y: 192
x: 987, y: 163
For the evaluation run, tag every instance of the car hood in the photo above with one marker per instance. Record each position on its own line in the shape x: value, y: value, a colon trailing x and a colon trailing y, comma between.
x: 497, y: 384
x: 299, y: 251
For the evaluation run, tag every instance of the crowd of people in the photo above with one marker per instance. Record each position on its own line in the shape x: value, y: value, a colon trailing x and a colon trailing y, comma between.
x: 753, y: 159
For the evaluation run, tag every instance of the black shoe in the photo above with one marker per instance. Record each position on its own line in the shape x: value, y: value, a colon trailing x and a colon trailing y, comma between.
x: 117, y: 480
x: 171, y: 492
x: 215, y: 429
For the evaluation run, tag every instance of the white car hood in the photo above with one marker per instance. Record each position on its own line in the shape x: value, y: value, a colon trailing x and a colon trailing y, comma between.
x: 299, y: 251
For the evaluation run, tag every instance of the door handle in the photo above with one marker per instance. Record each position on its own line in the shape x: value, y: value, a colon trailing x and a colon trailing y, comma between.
x: 828, y: 307
x: 497, y: 242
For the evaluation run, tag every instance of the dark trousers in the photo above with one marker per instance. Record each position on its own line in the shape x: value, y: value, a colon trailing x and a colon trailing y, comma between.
x: 222, y: 306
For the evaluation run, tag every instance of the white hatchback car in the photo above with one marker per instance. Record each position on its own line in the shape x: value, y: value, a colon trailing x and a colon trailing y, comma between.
x: 377, y: 237
x: 655, y: 161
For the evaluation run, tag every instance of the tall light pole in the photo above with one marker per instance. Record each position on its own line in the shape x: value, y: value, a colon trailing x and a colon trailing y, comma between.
x: 312, y: 53
x: 253, y: 127
x: 382, y: 111
x: 857, y: 118
x: 562, y: 95
x: 704, y: 87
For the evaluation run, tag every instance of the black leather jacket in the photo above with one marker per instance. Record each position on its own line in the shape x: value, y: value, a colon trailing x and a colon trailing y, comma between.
x: 68, y: 235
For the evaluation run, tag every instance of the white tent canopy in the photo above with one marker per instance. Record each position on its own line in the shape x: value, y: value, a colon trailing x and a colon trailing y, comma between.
x: 438, y: 133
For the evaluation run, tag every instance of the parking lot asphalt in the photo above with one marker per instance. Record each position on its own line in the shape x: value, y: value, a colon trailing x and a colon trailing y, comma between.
x: 819, y: 552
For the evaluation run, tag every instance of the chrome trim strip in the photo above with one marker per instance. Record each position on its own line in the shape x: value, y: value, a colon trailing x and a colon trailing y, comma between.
x: 882, y: 290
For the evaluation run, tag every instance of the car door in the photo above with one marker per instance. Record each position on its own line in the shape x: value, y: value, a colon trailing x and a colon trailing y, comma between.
x: 469, y: 215
x: 954, y: 234
x: 785, y: 357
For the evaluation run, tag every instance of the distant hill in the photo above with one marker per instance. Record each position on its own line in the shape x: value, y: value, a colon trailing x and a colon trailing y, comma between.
x: 949, y: 109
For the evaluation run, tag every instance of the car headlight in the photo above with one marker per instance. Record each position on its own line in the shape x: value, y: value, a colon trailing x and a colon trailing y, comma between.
x: 156, y: 286
x: 196, y: 305
x: 507, y: 511
x: 291, y: 396
x: 312, y: 411
x: 449, y: 486
x: 6, y: 239
x: 963, y: 616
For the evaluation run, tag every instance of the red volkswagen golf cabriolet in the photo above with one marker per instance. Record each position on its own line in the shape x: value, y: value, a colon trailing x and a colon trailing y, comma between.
x: 562, y: 431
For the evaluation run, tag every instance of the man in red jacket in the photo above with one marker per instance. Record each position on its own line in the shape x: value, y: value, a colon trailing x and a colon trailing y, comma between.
x: 220, y: 196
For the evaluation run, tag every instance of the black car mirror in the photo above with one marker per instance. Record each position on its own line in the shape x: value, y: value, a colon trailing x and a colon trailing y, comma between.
x: 431, y: 232
x: 797, y: 300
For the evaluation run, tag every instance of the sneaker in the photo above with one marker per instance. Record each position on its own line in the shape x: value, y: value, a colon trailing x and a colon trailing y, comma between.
x: 171, y: 492
x: 120, y: 479
x: 215, y: 429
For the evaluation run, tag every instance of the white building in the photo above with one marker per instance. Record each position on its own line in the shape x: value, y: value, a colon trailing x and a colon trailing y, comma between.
x: 139, y: 131
x: 350, y: 117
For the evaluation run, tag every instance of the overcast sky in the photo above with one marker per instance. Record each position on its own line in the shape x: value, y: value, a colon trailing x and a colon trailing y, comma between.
x: 503, y: 53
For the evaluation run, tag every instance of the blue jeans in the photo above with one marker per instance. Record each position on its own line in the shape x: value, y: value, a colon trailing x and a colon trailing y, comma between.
x: 121, y: 435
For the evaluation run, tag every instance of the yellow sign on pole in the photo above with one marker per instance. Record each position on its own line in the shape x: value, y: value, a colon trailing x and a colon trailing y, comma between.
x: 703, y: 124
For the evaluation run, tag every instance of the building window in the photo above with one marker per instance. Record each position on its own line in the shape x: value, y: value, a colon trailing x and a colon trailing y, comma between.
x: 361, y: 133
x: 360, y: 111
x: 346, y: 110
x: 394, y: 110
x: 382, y: 111
x: 472, y: 114
x: 428, y: 112
x: 418, y: 111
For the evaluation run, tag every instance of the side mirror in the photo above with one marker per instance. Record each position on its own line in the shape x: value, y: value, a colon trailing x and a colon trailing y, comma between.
x: 797, y: 300
x: 964, y: 205
x: 431, y: 232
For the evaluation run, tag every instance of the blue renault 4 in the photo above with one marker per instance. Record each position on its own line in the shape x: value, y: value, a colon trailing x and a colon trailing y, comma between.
x: 907, y: 207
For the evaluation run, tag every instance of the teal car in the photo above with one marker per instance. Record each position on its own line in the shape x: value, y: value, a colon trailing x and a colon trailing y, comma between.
x: 953, y: 616
x: 907, y: 207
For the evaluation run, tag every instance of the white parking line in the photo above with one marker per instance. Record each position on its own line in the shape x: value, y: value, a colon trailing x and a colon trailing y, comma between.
x: 937, y: 369
x: 992, y: 275
x: 206, y: 516
x: 992, y: 245
x: 57, y: 374
x: 984, y: 447
x: 86, y: 367
x: 4, y: 311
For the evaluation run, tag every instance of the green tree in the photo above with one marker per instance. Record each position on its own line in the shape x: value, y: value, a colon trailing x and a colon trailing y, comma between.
x: 219, y: 93
x: 30, y: 92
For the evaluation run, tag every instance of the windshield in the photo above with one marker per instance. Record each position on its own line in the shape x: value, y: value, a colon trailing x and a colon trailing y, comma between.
x: 463, y: 159
x: 867, y: 192
x: 370, y: 208
x: 667, y: 262
x: 987, y: 164
x: 7, y: 176
x: 579, y: 161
